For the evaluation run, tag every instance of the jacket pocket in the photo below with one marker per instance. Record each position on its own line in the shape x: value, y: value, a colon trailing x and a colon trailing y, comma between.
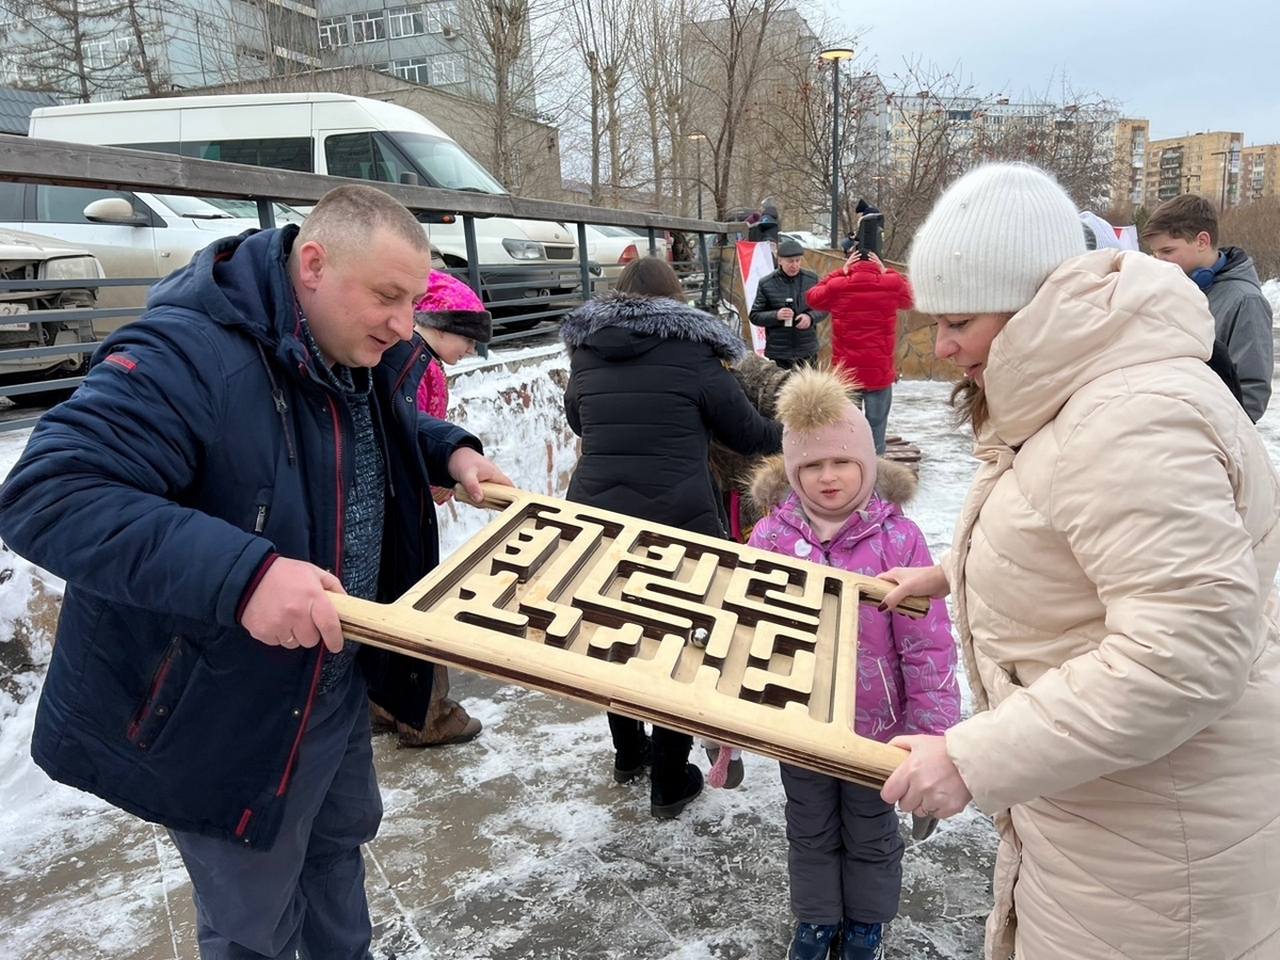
x: 261, y: 510
x: 167, y: 685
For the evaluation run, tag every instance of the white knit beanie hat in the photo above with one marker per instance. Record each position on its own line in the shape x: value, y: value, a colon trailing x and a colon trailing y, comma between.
x: 992, y: 239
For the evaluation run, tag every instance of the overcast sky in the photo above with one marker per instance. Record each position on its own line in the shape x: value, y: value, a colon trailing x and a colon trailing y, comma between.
x: 1186, y: 67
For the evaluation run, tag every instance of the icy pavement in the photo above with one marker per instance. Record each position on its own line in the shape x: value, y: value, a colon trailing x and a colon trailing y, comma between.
x: 517, y: 846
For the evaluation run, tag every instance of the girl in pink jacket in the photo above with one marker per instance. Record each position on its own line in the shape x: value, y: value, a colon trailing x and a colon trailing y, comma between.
x: 845, y: 859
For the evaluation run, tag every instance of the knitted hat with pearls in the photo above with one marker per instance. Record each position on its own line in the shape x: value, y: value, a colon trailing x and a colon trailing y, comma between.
x: 991, y: 240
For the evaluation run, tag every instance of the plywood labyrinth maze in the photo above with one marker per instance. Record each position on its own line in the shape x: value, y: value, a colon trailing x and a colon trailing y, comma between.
x: 702, y: 635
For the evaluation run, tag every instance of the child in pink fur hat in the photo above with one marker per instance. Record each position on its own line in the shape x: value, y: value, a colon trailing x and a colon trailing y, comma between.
x: 452, y: 320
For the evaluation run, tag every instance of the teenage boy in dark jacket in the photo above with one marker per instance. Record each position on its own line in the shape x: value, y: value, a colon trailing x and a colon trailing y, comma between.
x: 781, y: 308
x: 1184, y: 231
x: 250, y: 444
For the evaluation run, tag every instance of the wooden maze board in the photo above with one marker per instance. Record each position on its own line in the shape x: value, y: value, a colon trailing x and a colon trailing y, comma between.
x: 697, y: 634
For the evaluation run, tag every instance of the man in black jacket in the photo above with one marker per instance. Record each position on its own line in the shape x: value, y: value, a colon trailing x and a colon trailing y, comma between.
x: 780, y: 307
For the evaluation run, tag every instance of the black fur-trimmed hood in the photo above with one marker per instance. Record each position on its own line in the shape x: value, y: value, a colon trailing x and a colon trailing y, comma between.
x: 657, y: 317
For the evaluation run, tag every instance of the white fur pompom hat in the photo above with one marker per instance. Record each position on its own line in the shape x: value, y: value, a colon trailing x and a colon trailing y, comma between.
x: 992, y: 239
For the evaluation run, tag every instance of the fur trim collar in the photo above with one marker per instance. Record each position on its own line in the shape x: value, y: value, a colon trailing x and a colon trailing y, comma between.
x: 895, y: 483
x: 651, y: 316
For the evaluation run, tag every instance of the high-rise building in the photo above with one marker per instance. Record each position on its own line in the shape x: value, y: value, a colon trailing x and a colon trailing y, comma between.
x: 1131, y: 138
x: 1259, y: 172
x: 1207, y: 164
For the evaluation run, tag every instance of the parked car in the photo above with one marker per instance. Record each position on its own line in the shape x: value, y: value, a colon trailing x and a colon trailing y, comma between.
x: 140, y: 235
x: 25, y: 256
x: 609, y: 249
x: 661, y: 242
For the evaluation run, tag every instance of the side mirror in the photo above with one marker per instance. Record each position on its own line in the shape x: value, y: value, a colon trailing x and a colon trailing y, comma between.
x: 113, y: 210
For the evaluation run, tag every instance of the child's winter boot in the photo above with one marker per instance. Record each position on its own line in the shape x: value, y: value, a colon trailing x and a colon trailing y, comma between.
x: 861, y: 941
x: 814, y: 941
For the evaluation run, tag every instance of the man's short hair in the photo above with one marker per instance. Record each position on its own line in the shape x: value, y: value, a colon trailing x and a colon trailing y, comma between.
x: 1183, y: 218
x: 346, y: 218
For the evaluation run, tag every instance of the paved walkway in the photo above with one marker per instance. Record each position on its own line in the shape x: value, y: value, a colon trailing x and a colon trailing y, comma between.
x: 517, y: 846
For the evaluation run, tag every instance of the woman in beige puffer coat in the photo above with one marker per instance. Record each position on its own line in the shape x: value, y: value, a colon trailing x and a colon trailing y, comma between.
x: 1113, y: 576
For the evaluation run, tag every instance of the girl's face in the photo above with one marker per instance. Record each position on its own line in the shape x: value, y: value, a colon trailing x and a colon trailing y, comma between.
x: 449, y: 347
x: 965, y: 340
x: 831, y: 482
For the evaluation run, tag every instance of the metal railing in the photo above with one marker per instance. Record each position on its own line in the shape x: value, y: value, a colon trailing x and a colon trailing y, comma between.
x: 27, y: 160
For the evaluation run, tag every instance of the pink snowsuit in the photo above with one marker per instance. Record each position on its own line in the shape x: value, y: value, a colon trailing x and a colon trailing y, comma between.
x: 906, y: 667
x: 433, y: 399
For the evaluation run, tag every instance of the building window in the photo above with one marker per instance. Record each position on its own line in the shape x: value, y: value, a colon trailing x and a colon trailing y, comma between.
x: 406, y: 21
x: 99, y: 54
x: 439, y: 16
x: 368, y: 27
x: 447, y: 70
x: 335, y: 32
x: 413, y: 69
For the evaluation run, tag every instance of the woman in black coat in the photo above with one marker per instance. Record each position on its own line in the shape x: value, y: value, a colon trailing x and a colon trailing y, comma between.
x: 648, y: 389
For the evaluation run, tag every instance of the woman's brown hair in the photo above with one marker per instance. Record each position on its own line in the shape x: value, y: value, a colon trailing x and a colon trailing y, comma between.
x: 969, y: 401
x: 650, y: 277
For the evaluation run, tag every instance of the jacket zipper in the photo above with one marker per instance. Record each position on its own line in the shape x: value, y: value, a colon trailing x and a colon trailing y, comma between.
x: 162, y: 669
x: 337, y: 485
x: 302, y: 726
x: 247, y: 815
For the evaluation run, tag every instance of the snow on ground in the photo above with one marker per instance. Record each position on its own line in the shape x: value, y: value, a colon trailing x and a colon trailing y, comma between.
x: 1271, y: 290
x: 516, y: 846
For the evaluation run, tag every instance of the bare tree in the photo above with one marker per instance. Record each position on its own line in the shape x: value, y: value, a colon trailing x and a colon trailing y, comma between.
x: 65, y: 47
x: 928, y: 149
x: 660, y: 97
x: 143, y: 20
x: 602, y: 35
x: 1070, y: 136
x: 722, y: 55
x: 502, y: 39
x: 1255, y: 226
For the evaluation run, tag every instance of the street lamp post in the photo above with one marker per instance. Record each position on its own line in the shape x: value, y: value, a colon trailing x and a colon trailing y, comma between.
x: 698, y: 138
x: 702, y: 237
x: 1222, y: 197
x: 835, y: 55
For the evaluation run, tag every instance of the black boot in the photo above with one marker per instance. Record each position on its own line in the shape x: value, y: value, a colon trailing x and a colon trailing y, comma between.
x: 674, y: 781
x: 632, y: 749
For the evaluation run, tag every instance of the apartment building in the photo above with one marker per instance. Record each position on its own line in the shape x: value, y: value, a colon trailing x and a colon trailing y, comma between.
x: 1259, y: 172
x: 1207, y: 164
x: 1131, y: 138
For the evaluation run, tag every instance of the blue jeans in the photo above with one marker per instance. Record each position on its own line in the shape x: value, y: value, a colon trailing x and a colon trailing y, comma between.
x: 876, y: 404
x: 306, y: 894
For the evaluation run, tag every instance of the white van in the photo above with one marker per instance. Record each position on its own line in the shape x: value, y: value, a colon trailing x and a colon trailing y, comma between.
x: 343, y: 136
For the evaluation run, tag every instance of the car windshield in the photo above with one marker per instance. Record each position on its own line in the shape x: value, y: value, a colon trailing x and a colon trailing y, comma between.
x: 612, y: 231
x: 447, y: 164
x: 248, y: 209
x: 192, y: 207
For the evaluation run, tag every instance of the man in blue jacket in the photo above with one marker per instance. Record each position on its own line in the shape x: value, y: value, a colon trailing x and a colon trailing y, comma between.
x: 246, y: 447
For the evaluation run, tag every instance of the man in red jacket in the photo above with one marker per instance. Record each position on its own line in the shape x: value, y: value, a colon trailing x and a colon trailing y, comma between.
x: 864, y: 297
